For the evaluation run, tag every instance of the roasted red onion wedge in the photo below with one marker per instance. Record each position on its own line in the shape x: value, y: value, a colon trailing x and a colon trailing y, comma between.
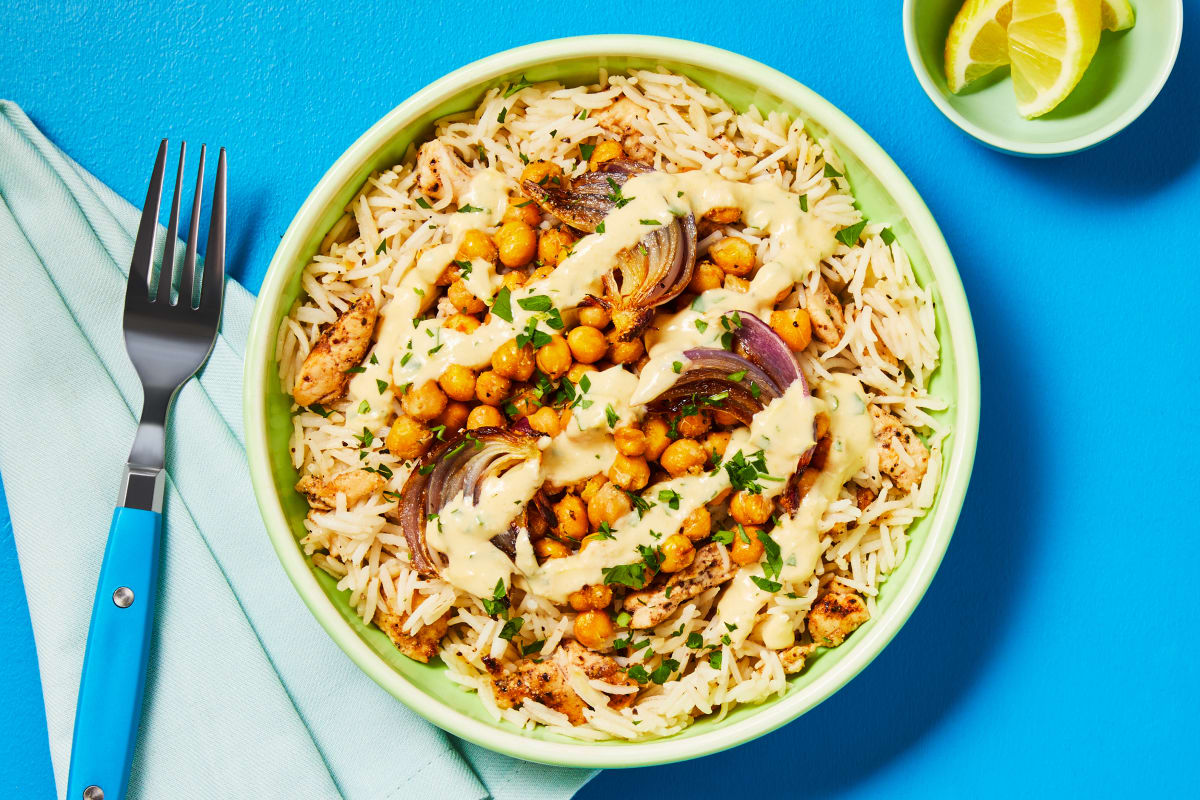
x: 764, y: 366
x: 458, y: 465
x: 645, y: 276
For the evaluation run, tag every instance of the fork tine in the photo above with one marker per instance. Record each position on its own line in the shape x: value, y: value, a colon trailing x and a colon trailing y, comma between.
x: 166, y: 273
x: 143, y: 247
x: 214, y: 256
x: 189, y: 259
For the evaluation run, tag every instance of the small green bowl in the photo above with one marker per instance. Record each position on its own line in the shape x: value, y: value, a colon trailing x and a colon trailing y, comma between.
x: 1129, y: 69
x: 884, y: 195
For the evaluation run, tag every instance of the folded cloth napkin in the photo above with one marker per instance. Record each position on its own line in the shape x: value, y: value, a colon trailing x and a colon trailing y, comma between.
x: 246, y: 696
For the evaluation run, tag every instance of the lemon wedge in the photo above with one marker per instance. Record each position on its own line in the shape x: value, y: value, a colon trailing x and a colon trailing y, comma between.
x: 1050, y: 44
x: 977, y: 42
x: 1116, y: 15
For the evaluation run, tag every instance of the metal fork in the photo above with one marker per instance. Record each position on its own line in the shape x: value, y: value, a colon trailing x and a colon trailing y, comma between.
x: 167, y: 343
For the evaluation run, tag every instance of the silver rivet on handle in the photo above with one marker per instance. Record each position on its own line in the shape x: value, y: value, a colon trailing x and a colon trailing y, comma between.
x: 123, y: 597
x: 93, y: 793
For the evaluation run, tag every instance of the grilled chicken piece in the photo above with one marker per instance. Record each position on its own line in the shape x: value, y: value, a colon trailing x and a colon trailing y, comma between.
x: 420, y: 646
x: 357, y: 485
x: 828, y: 320
x: 649, y: 607
x: 546, y: 681
x: 793, y: 658
x: 893, y: 437
x: 323, y: 377
x: 440, y: 172
x: 835, y: 615
x: 620, y: 119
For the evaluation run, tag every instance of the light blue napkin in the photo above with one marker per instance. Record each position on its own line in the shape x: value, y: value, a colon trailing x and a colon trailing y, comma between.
x: 246, y: 695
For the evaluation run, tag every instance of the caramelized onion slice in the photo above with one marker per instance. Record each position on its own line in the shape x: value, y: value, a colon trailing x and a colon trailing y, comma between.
x: 656, y: 270
x: 458, y: 465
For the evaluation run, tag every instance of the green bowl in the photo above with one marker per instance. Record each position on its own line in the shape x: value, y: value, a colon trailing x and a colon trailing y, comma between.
x: 1125, y: 76
x: 884, y: 194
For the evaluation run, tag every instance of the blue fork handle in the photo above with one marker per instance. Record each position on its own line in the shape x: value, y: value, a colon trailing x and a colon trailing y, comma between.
x: 114, y: 665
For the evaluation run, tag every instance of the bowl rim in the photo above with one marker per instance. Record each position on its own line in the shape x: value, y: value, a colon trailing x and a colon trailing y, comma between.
x: 1013, y: 146
x: 260, y: 350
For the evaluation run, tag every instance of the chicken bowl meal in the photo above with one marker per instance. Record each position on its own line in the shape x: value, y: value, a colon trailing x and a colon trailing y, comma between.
x: 609, y: 398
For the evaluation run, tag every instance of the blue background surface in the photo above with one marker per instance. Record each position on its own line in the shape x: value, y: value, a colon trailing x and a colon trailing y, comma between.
x: 1055, y: 652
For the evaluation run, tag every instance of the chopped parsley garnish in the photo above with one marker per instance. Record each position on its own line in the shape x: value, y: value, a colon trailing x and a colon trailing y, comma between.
x: 425, y: 470
x: 714, y: 659
x: 724, y: 537
x: 773, y: 563
x: 640, y: 503
x: 585, y: 150
x: 524, y: 158
x: 317, y: 408
x: 887, y: 236
x: 511, y: 628
x: 600, y: 228
x: 611, y: 416
x: 533, y: 647
x: 744, y: 473
x: 382, y: 246
x: 651, y: 556
x: 423, y: 203
x: 677, y: 366
x: 623, y: 619
x: 701, y: 325
x: 619, y: 200
x: 649, y: 222
x: 695, y: 640
x: 804, y: 202
x: 531, y: 335
x: 638, y: 673
x: 736, y: 377
x: 364, y: 407
x: 464, y: 268
x: 498, y: 602
x: 538, y: 302
x: 631, y: 575
x: 366, y: 437
x: 404, y: 359
x: 439, y: 431
x: 469, y: 209
x: 503, y: 113
x: 670, y: 497
x: 831, y: 172
x: 502, y: 305
x: 848, y: 236
x: 356, y: 370
x: 390, y: 495
x: 766, y: 585
x: 518, y: 86
x: 664, y: 670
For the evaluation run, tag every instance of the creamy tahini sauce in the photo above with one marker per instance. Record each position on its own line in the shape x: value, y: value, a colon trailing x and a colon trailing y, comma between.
x: 798, y: 536
x: 462, y: 530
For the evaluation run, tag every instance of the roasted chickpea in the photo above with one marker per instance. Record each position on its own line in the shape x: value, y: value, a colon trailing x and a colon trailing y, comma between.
x: 577, y: 371
x: 447, y: 276
x: 492, y: 388
x: 677, y: 553
x: 793, y: 326
x: 624, y: 352
x: 591, y: 486
x: 553, y: 246
x: 458, y: 382
x: 608, y: 505
x: 720, y: 417
x: 424, y: 402
x: 629, y: 441
x: 462, y: 299
x: 587, y: 344
x: 546, y: 548
x: 683, y: 457
x: 735, y: 284
x: 733, y: 255
x: 716, y: 442
x: 591, y: 537
x: 746, y: 548
x: 693, y: 426
x: 523, y: 404
x: 476, y: 244
x: 516, y: 243
x: 571, y: 513
x: 408, y: 438
x: 513, y: 362
x: 463, y: 323
x: 751, y: 509
x: 484, y: 417
x: 554, y: 358
x: 545, y: 420
x: 705, y: 277
x: 821, y: 426
x: 723, y: 215
x: 605, y: 151
x: 593, y: 629
x: 522, y: 211
x: 591, y: 598
x: 697, y: 525
x: 513, y: 280
x: 594, y: 316
x: 657, y: 435
x: 542, y: 173
x: 542, y: 272
x: 455, y: 415
x: 629, y: 472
